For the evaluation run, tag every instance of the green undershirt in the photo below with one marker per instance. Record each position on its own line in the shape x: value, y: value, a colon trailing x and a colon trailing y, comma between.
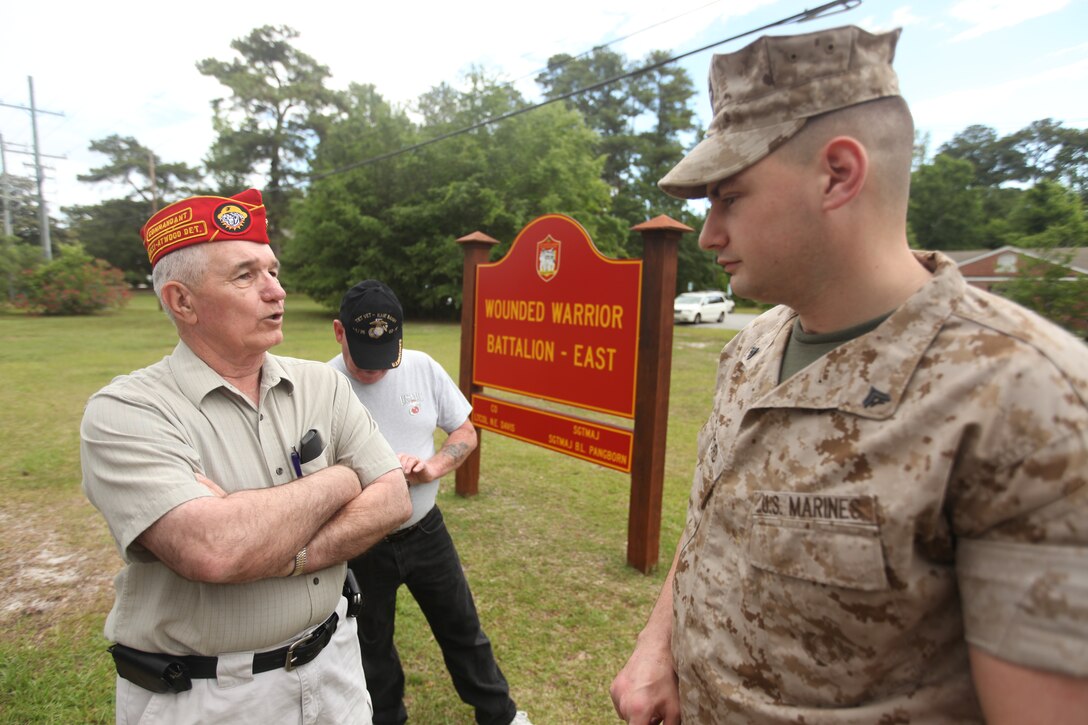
x: 805, y: 348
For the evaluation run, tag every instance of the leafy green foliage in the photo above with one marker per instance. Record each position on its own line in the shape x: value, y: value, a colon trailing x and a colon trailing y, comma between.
x: 1045, y: 286
x: 397, y: 219
x: 16, y: 259
x: 642, y: 122
x: 1048, y: 215
x: 1043, y: 150
x: 110, y: 231
x: 945, y: 211
x: 130, y: 163
x: 345, y: 203
x: 73, y: 284
x: 986, y: 190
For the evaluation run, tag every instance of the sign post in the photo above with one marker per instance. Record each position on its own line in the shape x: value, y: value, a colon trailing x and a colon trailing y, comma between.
x: 660, y: 243
x: 556, y: 320
x: 476, y: 247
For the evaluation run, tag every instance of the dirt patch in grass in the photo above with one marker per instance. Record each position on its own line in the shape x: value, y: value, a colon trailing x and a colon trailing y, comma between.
x: 53, y: 561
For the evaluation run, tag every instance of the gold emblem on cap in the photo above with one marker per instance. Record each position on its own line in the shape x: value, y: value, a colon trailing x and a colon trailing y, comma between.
x: 378, y: 328
x: 231, y: 218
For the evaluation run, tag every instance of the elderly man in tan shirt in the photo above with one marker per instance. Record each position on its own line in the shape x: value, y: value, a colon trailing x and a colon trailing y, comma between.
x: 237, y: 484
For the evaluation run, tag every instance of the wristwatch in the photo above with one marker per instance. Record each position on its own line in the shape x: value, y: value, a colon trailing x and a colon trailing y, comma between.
x: 300, y: 562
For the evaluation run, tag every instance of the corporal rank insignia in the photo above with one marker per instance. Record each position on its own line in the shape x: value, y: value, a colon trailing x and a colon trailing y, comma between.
x: 875, y: 397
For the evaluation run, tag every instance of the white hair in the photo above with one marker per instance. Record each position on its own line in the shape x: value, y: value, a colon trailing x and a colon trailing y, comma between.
x: 186, y: 266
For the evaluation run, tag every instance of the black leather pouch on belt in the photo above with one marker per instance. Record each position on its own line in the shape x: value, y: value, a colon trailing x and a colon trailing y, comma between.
x: 154, y: 672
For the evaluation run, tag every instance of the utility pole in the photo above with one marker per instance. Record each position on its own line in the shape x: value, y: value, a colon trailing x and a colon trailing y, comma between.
x: 154, y: 182
x: 43, y: 211
x: 6, y: 187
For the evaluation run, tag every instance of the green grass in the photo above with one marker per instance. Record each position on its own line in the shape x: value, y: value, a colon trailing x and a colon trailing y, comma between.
x: 544, y: 542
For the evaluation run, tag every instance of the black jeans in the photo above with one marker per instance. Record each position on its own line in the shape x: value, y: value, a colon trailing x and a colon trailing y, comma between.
x: 426, y: 561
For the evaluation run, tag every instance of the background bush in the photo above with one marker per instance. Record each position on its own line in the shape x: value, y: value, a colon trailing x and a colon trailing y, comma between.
x: 73, y: 284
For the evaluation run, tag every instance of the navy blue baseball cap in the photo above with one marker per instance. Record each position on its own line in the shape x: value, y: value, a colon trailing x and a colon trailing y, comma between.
x: 373, y: 324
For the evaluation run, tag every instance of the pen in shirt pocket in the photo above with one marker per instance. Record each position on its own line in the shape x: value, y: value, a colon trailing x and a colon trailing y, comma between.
x: 296, y: 462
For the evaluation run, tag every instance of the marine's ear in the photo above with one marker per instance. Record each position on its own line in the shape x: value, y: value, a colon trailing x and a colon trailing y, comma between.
x: 844, y: 165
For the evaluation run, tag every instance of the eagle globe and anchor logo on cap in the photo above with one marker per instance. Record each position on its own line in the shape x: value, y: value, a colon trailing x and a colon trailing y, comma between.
x: 379, y: 324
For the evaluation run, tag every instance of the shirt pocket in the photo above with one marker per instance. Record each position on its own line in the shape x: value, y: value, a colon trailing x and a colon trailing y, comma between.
x: 815, y: 590
x: 318, y: 463
x: 825, y: 539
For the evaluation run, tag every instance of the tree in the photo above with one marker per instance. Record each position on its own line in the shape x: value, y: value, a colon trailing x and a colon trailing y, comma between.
x: 134, y: 165
x: 397, y: 219
x: 1053, y: 152
x: 995, y: 161
x: 16, y: 259
x: 608, y: 108
x: 1046, y: 287
x: 1048, y: 215
x: 111, y: 231
x: 920, y: 153
x: 1044, y: 149
x: 272, y: 119
x: 643, y: 121
x: 23, y: 207
x: 663, y: 96
x: 339, y: 228
x: 945, y: 210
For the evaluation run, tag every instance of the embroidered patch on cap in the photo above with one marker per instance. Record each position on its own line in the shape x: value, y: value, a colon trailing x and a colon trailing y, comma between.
x: 232, y: 218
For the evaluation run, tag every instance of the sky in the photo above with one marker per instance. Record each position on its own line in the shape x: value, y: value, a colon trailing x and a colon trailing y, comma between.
x: 129, y: 68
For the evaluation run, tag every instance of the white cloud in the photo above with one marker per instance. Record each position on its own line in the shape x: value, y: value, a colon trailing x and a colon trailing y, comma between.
x: 985, y: 16
x: 1006, y: 106
x: 904, y: 16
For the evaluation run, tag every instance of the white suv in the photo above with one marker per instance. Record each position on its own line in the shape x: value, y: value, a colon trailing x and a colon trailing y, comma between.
x: 694, y: 307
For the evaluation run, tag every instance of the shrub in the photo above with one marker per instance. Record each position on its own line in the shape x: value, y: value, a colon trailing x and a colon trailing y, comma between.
x: 73, y: 284
x: 15, y: 257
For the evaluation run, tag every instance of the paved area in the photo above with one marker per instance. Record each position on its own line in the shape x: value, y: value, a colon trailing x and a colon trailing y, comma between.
x: 732, y: 321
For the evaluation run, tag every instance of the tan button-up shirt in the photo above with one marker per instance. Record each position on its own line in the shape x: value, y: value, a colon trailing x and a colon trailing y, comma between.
x: 851, y: 529
x: 142, y: 438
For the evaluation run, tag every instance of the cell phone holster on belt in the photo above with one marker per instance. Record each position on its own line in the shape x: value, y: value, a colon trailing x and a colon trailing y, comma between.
x: 154, y: 672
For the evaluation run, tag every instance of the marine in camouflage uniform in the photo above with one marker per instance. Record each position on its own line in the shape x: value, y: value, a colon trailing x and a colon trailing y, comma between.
x: 895, y: 530
x: 840, y: 522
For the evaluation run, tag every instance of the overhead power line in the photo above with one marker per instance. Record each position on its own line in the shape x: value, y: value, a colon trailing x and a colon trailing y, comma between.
x: 825, y: 10
x: 614, y: 41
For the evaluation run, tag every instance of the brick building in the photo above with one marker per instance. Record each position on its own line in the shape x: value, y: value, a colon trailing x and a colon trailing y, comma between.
x: 987, y: 267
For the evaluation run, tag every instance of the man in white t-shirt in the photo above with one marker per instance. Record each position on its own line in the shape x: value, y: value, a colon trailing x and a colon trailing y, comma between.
x: 410, y: 395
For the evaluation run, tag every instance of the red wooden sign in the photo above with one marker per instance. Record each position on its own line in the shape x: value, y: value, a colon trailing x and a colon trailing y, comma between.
x: 599, y: 443
x: 557, y: 320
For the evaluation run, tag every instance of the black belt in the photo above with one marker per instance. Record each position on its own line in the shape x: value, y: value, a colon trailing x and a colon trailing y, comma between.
x: 401, y: 533
x: 293, y: 655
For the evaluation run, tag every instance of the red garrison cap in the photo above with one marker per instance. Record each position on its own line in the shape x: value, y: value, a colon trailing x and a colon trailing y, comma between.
x: 200, y: 219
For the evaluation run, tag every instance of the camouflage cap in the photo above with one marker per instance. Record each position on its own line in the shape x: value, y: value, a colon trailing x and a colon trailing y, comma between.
x: 762, y: 94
